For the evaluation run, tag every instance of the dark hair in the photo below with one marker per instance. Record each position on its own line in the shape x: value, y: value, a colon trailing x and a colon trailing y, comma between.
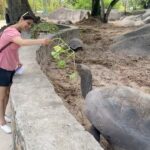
x: 27, y: 16
x: 30, y: 16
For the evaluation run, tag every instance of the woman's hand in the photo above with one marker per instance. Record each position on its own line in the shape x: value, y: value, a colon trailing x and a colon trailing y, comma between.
x: 46, y: 42
x: 19, y: 65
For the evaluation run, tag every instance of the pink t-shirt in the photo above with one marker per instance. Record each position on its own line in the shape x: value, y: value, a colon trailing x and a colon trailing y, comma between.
x: 9, y: 57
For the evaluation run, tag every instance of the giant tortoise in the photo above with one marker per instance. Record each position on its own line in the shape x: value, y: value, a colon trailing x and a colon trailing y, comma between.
x: 120, y: 113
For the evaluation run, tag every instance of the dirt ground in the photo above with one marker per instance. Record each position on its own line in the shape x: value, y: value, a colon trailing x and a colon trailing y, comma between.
x: 107, y: 68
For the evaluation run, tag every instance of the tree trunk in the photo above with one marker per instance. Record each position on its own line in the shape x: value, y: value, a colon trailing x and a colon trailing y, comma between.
x: 109, y: 9
x: 98, y: 9
x: 95, y: 8
x: 16, y: 8
x: 102, y: 9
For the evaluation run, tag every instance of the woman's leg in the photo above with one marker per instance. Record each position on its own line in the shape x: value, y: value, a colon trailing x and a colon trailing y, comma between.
x: 6, y: 99
x: 3, y: 93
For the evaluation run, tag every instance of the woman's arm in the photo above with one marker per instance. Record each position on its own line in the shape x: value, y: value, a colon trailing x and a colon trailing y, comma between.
x: 25, y: 42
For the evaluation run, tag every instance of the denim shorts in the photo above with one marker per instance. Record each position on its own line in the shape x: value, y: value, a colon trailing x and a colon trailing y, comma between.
x: 6, y: 77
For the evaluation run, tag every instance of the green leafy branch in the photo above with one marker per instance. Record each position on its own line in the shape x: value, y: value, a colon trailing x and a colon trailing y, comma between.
x: 63, y: 56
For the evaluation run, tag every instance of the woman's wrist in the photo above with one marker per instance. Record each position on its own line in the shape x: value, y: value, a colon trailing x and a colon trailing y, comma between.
x: 46, y: 42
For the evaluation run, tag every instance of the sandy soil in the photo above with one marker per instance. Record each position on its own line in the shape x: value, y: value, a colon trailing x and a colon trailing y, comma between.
x: 107, y: 68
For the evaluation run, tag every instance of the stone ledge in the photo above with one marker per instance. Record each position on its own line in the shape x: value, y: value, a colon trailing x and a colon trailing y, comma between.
x: 40, y: 120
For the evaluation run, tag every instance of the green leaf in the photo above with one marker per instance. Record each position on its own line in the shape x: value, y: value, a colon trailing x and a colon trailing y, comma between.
x: 61, y: 64
x: 58, y: 48
x: 55, y: 55
x: 73, y: 75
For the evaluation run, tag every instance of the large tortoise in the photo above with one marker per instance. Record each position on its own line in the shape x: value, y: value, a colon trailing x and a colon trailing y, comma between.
x: 120, y: 113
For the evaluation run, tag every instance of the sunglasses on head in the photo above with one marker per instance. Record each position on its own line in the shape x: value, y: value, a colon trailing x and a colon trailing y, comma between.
x: 25, y: 14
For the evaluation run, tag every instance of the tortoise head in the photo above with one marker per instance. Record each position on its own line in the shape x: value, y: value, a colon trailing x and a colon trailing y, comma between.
x: 86, y: 78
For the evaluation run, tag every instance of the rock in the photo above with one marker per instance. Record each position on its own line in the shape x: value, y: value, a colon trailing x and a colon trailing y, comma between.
x: 138, y: 18
x: 135, y: 42
x: 66, y: 22
x: 115, y: 15
x: 136, y: 45
x: 139, y: 23
x: 140, y: 31
x: 129, y: 21
x: 122, y: 115
x: 138, y: 12
x: 146, y: 14
x: 132, y: 18
x: 147, y: 20
x: 65, y: 14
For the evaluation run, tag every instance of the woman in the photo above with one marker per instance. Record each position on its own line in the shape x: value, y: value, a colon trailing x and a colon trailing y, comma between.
x: 9, y: 60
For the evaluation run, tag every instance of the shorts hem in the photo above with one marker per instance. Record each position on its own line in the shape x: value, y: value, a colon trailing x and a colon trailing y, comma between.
x: 5, y: 85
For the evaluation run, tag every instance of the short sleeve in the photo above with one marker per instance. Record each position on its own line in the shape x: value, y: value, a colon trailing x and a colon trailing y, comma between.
x: 10, y: 33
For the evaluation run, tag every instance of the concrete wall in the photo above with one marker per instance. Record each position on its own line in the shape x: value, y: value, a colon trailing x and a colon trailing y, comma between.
x: 40, y: 120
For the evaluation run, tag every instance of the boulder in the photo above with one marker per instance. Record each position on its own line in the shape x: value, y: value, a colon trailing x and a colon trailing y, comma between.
x: 65, y: 22
x: 66, y: 14
x: 129, y: 21
x: 122, y: 115
x: 115, y: 15
x: 137, y: 45
x: 146, y: 14
x: 134, y: 20
x: 135, y: 42
x: 137, y: 18
x: 147, y: 20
